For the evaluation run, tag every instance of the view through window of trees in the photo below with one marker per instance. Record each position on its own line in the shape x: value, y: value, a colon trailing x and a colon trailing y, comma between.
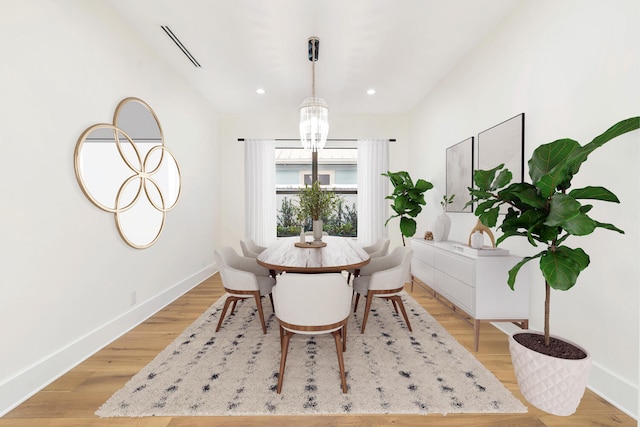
x: 337, y: 171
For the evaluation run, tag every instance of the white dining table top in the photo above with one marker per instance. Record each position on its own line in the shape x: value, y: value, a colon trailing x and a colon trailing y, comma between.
x: 340, y: 253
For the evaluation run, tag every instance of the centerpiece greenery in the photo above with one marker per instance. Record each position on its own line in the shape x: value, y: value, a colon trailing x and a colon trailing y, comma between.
x: 315, y: 202
x: 408, y: 199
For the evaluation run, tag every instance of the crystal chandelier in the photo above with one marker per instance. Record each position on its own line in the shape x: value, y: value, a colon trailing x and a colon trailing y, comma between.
x: 314, y: 112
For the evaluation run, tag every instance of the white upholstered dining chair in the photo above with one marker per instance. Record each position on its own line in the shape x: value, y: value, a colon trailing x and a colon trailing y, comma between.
x: 378, y: 249
x: 384, y: 277
x: 250, y: 248
x: 312, y: 304
x: 243, y: 278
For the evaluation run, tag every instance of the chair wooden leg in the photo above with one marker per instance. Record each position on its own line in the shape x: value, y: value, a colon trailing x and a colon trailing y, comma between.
x: 366, y: 311
x: 344, y: 337
x: 395, y: 306
x: 233, y: 307
x: 260, y: 312
x: 284, y: 348
x: 228, y: 301
x: 355, y: 306
x: 272, y: 306
x: 343, y: 376
x: 404, y: 312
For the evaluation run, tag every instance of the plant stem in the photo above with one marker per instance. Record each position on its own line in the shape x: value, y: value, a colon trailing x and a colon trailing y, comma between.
x: 547, y: 299
x: 403, y: 243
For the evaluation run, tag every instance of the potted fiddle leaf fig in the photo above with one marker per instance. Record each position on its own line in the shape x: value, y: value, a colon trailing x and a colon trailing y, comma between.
x: 548, y: 213
x: 408, y: 199
x: 316, y: 203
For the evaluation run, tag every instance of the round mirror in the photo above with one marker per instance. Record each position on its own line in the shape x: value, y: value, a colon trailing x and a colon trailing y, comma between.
x: 124, y: 168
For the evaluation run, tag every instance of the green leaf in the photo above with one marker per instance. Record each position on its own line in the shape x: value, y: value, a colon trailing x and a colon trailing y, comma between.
x: 511, y: 281
x: 504, y: 178
x: 608, y: 227
x: 484, y: 178
x: 548, y: 157
x: 490, y: 217
x: 620, y: 128
x: 565, y: 212
x: 561, y: 267
x: 596, y: 193
x: 422, y: 185
x: 407, y: 226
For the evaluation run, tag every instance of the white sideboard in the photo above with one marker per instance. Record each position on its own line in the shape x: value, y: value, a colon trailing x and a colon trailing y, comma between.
x: 475, y: 284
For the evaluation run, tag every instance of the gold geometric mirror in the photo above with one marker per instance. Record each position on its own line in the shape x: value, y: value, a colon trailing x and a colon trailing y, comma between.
x: 124, y: 168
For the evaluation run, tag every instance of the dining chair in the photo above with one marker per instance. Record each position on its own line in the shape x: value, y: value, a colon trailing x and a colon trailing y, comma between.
x: 312, y: 304
x: 384, y: 277
x: 378, y: 249
x: 243, y: 278
x: 250, y: 248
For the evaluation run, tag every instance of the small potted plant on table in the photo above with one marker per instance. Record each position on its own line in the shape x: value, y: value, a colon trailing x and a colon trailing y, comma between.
x: 318, y: 204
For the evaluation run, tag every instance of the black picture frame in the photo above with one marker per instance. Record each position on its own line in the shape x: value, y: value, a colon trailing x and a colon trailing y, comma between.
x: 460, y: 175
x: 503, y: 143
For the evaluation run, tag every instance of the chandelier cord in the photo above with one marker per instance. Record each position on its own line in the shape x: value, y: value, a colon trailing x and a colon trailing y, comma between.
x: 313, y: 70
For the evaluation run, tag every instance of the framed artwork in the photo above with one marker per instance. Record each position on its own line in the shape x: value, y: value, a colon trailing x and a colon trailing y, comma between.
x: 460, y: 175
x: 503, y: 143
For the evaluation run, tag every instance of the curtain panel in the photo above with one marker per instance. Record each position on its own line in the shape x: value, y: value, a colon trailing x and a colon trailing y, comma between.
x: 373, y: 160
x: 260, y: 191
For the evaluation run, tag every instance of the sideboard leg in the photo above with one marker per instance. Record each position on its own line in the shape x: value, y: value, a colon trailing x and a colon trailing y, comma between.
x: 476, y: 334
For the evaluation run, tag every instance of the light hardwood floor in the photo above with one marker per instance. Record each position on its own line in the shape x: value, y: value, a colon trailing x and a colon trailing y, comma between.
x: 72, y: 400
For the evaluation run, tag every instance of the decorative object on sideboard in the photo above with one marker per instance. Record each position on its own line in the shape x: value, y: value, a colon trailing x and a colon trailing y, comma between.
x: 477, y: 240
x: 481, y: 228
x: 124, y: 168
x: 547, y: 213
x: 408, y: 199
x: 428, y: 235
x: 442, y: 224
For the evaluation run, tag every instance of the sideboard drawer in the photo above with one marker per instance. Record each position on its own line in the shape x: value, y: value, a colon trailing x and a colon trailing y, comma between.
x: 457, y: 266
x: 455, y: 291
x: 422, y: 271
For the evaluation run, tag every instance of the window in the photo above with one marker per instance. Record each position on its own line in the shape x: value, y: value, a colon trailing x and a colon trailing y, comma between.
x: 337, y: 171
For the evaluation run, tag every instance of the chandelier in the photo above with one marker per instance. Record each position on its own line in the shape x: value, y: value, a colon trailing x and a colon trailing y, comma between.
x: 314, y: 112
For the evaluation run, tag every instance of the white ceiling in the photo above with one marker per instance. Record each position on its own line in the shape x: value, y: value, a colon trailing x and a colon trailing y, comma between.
x: 402, y: 48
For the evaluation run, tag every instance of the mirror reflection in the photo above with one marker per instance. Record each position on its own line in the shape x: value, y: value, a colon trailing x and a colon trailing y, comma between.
x: 124, y: 168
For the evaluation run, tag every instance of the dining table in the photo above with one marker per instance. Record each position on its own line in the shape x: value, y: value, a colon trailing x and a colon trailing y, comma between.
x: 335, y: 255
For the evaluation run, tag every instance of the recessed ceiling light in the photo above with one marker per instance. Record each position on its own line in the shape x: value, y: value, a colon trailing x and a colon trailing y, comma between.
x: 371, y: 92
x: 260, y: 91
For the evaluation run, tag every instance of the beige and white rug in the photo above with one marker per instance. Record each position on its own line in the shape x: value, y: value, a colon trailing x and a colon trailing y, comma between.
x: 389, y: 370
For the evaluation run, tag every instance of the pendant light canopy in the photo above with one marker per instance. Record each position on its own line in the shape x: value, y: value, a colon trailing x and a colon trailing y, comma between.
x: 314, y: 112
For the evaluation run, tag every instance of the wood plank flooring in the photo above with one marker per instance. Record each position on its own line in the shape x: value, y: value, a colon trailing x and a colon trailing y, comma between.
x: 72, y: 400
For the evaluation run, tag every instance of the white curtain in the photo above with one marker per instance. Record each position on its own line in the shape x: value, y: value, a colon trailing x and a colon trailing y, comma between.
x: 260, y: 191
x: 373, y: 160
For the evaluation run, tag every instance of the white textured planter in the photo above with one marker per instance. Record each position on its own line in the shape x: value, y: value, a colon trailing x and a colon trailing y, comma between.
x: 554, y: 385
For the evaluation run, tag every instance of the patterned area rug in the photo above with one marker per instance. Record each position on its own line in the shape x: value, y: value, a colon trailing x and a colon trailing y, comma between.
x: 389, y: 370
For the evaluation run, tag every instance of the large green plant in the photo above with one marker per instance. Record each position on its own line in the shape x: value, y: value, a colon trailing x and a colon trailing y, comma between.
x: 315, y: 202
x: 408, y: 199
x: 546, y: 212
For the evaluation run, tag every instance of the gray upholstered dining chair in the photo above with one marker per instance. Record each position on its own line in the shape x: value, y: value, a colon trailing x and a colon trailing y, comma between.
x: 378, y: 249
x: 250, y: 248
x: 312, y: 304
x: 243, y: 278
x: 384, y: 277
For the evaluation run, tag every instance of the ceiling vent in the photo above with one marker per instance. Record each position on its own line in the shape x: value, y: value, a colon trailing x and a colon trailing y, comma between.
x: 178, y: 43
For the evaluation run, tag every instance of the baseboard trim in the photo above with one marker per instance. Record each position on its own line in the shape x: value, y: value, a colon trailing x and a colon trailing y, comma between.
x: 609, y: 386
x: 29, y: 381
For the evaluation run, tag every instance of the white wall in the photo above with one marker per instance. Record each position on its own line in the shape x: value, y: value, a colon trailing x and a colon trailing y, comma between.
x: 286, y: 126
x: 66, y: 274
x: 572, y: 67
